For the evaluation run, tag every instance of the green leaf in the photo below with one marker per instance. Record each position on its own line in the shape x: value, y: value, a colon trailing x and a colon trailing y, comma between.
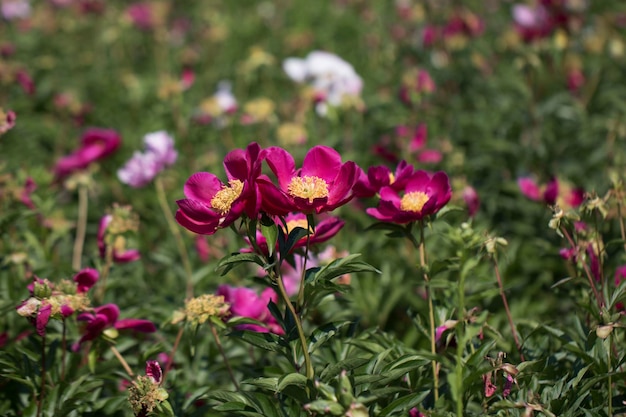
x: 266, y: 341
x: 404, y: 403
x: 285, y: 247
x: 320, y: 335
x: 343, y: 266
x: 269, y: 230
x: 236, y: 259
x: 292, y: 379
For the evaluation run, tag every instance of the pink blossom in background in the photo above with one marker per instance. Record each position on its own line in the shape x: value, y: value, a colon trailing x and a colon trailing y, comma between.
x: 24, y: 79
x: 105, y: 317
x: 15, y: 9
x: 529, y: 188
x: 141, y: 169
x: 575, y: 80
x: 95, y: 144
x: 246, y: 302
x: 380, y: 176
x: 554, y: 192
x: 416, y: 84
x: 7, y: 121
x: 7, y: 50
x: 141, y: 15
x: 472, y: 200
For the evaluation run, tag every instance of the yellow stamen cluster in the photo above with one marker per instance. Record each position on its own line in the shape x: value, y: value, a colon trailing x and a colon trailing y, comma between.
x: 200, y: 309
x: 303, y: 223
x: 145, y: 395
x: 224, y: 198
x: 413, y: 201
x: 308, y: 187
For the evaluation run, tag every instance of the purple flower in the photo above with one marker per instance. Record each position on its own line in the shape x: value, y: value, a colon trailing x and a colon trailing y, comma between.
x: 15, y: 9
x: 322, y: 184
x: 423, y: 196
x: 105, y: 317
x: 141, y: 169
x: 96, y: 144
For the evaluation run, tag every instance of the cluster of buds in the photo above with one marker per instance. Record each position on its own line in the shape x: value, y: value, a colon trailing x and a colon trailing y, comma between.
x: 199, y: 310
x: 146, y: 395
x: 60, y: 301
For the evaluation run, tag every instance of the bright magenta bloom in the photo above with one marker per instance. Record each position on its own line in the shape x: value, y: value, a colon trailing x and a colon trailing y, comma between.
x: 245, y: 302
x: 95, y: 145
x: 322, y: 184
x: 105, y: 317
x: 380, y: 176
x: 423, y: 195
x: 211, y: 204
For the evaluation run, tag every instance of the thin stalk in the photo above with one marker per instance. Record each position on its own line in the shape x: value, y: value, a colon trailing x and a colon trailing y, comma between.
x: 599, y: 299
x: 431, y: 310
x: 170, y: 360
x: 81, y: 227
x: 305, y: 350
x: 310, y: 222
x: 63, y: 349
x: 221, y: 349
x: 120, y: 358
x: 182, y: 249
x: 622, y: 228
x: 108, y: 261
x: 460, y: 345
x: 506, y: 308
x: 610, y: 379
x: 42, y: 390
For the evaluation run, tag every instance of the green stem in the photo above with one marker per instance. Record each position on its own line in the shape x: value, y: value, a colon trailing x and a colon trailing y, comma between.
x: 596, y: 294
x: 221, y: 349
x: 431, y: 310
x: 460, y: 345
x: 169, y: 217
x: 81, y: 227
x: 108, y: 261
x: 170, y: 359
x: 610, y: 379
x: 42, y: 390
x: 506, y: 308
x: 120, y: 358
x: 305, y: 350
x: 310, y: 229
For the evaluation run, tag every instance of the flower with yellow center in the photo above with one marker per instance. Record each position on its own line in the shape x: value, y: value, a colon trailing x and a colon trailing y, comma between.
x: 413, y: 201
x: 223, y: 199
x: 308, y: 187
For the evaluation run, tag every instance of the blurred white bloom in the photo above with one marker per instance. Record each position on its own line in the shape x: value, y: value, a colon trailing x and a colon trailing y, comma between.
x: 332, y: 78
x: 225, y: 98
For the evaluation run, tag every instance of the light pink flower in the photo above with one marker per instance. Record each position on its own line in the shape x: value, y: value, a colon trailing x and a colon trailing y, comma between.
x: 141, y: 169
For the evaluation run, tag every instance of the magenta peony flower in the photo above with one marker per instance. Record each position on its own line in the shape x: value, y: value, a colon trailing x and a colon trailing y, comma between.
x: 105, y: 317
x: 380, y: 176
x: 423, y: 195
x: 529, y: 188
x: 7, y: 121
x: 554, y: 192
x: 120, y: 253
x: 141, y: 169
x: 96, y: 144
x: 24, y: 79
x: 245, y: 302
x: 140, y: 15
x: 322, y: 184
x: 211, y: 204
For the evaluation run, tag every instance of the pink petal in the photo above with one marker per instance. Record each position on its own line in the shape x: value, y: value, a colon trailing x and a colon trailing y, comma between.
x: 282, y: 164
x: 144, y: 326
x: 43, y: 316
x: 85, y: 279
x: 153, y: 370
x: 202, y: 186
x: 323, y: 162
x: 529, y: 188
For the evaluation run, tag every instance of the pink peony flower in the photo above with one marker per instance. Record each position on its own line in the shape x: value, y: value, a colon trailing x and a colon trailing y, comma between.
x: 322, y: 184
x: 141, y: 169
x: 15, y: 9
x: 105, y: 317
x: 422, y: 196
x: 25, y: 80
x: 245, y: 302
x: 472, y: 200
x: 211, y: 205
x: 380, y: 176
x: 141, y: 15
x: 96, y: 144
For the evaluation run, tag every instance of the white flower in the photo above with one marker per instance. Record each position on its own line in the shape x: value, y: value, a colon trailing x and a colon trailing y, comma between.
x: 331, y: 77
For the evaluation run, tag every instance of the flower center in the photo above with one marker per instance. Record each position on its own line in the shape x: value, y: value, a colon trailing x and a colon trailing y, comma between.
x: 413, y: 201
x: 392, y: 178
x: 224, y: 198
x: 308, y: 187
x: 292, y: 224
